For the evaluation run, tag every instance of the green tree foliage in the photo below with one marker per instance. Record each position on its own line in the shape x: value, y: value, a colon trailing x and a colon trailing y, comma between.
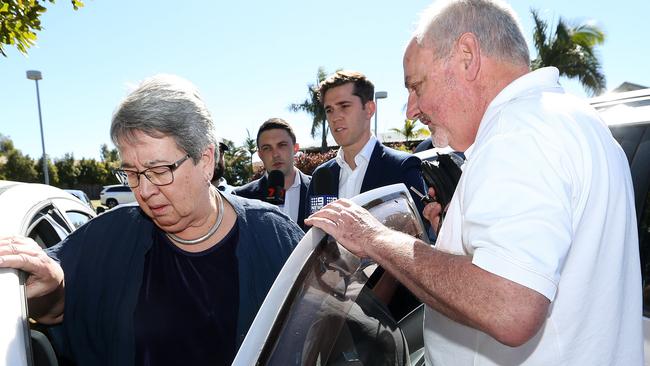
x: 64, y: 172
x: 93, y: 172
x: 250, y: 145
x: 111, y: 161
x: 238, y: 167
x: 571, y: 50
x: 52, y: 171
x: 20, y: 20
x: 312, y: 106
x: 6, y: 145
x: 68, y: 171
x: 410, y: 130
x: 19, y: 167
x: 109, y: 155
x: 13, y: 164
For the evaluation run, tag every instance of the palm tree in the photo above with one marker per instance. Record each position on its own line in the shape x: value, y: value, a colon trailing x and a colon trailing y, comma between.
x: 238, y: 167
x: 571, y: 50
x: 312, y: 106
x: 409, y: 131
x: 250, y: 145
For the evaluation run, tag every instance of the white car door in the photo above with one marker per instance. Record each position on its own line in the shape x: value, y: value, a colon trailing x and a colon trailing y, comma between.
x: 328, y: 307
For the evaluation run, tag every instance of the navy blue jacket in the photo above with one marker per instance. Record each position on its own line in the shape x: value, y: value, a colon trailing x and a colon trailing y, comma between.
x: 103, y: 263
x: 257, y: 189
x: 386, y: 166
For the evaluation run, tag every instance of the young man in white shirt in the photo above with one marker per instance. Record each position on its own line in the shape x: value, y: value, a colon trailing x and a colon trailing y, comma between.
x: 362, y: 162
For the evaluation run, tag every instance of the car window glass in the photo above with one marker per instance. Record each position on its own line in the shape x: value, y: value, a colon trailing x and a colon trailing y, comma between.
x: 332, y: 316
x: 47, y: 227
x: 635, y: 140
x: 78, y: 218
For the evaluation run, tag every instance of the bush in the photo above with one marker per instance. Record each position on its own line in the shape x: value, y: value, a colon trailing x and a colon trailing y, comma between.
x: 307, y: 162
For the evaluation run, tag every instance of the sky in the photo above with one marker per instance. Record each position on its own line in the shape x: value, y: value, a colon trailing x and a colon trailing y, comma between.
x: 249, y: 59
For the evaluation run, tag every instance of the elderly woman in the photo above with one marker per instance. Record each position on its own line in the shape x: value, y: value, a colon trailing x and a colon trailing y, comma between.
x: 175, y: 280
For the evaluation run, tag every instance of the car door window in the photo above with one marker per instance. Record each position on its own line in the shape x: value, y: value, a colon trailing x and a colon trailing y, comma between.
x: 333, y: 316
x: 78, y: 218
x: 635, y: 141
x: 47, y: 227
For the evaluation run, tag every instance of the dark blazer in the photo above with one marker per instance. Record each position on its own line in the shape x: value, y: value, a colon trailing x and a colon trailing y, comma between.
x: 257, y: 189
x: 386, y: 166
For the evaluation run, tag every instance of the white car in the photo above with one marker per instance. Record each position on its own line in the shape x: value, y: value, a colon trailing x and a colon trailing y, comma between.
x: 47, y: 215
x: 82, y: 196
x: 117, y: 194
x: 628, y: 117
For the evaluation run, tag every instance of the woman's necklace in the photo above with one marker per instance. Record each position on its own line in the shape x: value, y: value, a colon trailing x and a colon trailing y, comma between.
x: 212, y: 230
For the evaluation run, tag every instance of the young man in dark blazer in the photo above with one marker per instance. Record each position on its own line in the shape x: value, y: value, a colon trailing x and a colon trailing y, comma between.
x: 276, y: 147
x: 362, y: 162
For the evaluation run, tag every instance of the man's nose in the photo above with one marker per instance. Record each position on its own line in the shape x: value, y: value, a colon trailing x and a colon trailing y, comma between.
x: 412, y: 107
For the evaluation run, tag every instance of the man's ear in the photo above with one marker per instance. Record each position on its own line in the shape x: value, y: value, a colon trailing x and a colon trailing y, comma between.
x: 296, y: 147
x: 370, y: 108
x: 469, y: 52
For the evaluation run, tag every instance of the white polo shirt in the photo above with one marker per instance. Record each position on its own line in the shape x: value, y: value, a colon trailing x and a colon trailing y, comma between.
x: 546, y: 200
x: 350, y: 180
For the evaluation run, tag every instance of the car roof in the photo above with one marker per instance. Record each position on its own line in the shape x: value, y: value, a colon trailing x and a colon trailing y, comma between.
x: 433, y: 153
x: 114, y: 185
x: 625, y: 108
x: 24, y: 197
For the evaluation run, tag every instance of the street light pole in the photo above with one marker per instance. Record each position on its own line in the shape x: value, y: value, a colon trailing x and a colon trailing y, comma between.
x: 378, y: 95
x: 36, y: 76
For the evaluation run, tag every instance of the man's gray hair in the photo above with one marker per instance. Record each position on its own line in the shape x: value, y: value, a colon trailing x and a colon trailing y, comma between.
x: 493, y: 22
x: 166, y: 105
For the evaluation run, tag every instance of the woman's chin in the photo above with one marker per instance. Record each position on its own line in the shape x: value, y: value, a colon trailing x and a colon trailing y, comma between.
x: 167, y: 224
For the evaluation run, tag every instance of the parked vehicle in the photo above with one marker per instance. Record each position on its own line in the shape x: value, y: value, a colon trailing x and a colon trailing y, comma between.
x: 114, y: 195
x: 82, y: 196
x: 628, y: 117
x: 47, y: 215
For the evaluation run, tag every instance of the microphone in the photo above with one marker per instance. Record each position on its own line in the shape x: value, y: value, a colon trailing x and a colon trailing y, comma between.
x: 324, y: 190
x: 275, y: 188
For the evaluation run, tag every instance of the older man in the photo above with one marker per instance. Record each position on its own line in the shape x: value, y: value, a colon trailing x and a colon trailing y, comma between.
x: 537, y: 261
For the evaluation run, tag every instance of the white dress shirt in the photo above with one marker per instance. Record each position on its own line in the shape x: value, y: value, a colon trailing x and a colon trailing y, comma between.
x: 350, y: 180
x: 291, y: 204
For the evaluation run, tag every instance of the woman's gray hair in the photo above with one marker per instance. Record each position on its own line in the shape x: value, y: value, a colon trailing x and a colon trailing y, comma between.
x: 493, y: 22
x: 166, y: 105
